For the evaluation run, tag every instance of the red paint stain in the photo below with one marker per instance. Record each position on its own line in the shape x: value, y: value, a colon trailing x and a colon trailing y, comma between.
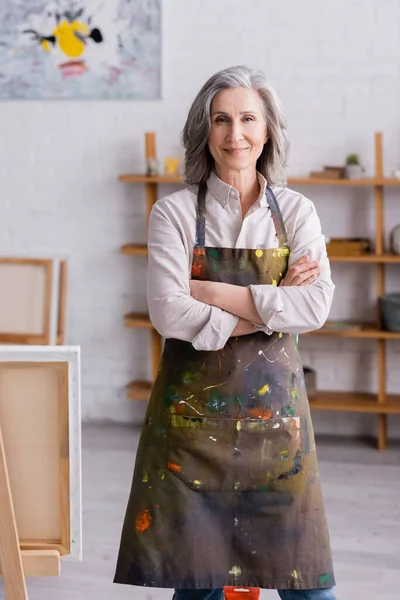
x: 174, y: 467
x: 143, y: 521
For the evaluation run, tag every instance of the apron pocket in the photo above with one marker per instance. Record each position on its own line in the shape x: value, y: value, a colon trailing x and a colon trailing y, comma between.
x: 214, y: 454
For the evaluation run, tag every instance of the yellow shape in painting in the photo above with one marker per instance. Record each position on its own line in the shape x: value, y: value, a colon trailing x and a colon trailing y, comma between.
x: 238, y: 425
x: 259, y: 253
x: 45, y: 45
x: 295, y: 575
x: 145, y: 477
x: 235, y: 571
x: 274, y: 282
x: 262, y: 391
x: 280, y: 335
x: 69, y: 43
x: 294, y: 394
x: 197, y: 482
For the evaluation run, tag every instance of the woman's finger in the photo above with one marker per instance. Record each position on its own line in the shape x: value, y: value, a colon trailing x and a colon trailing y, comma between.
x: 303, y: 276
x: 309, y: 281
x: 295, y: 276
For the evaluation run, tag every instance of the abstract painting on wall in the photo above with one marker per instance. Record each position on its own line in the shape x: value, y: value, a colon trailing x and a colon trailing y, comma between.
x: 94, y: 49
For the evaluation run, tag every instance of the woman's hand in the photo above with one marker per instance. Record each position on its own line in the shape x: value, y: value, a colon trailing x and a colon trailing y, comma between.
x: 301, y: 272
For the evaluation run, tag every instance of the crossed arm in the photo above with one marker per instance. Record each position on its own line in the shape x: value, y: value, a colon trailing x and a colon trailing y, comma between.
x: 238, y: 300
x: 206, y: 314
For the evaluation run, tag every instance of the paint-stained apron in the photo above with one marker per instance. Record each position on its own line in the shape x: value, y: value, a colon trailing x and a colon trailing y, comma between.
x: 225, y: 488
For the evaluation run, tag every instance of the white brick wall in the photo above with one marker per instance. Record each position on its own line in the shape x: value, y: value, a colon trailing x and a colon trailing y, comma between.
x: 336, y: 67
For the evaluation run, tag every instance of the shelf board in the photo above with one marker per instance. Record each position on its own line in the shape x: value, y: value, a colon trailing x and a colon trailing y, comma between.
x: 355, y: 402
x: 141, y: 249
x: 138, y: 178
x: 334, y: 401
x: 139, y: 390
x: 367, y: 331
x: 367, y: 258
x: 365, y: 181
x: 135, y: 319
x: 138, y: 249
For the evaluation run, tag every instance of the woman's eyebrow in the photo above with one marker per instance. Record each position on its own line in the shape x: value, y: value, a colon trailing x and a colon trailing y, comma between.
x: 244, y: 112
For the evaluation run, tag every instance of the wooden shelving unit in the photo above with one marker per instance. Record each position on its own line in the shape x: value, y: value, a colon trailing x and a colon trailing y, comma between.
x: 381, y: 403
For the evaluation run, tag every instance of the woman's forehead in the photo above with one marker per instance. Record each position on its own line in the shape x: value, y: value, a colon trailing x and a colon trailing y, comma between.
x: 245, y: 99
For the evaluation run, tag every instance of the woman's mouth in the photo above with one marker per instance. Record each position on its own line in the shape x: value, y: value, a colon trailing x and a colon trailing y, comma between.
x: 235, y: 151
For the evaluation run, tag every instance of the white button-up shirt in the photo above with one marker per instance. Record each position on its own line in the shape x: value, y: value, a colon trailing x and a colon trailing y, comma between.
x: 171, y: 239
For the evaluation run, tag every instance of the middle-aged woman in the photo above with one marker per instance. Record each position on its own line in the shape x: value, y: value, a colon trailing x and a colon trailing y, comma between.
x: 226, y: 488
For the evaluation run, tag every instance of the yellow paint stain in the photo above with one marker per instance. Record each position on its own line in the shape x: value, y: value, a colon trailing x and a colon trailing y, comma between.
x: 280, y: 335
x: 279, y: 252
x: 262, y: 391
x: 236, y: 486
x: 284, y: 455
x: 145, y: 477
x: 235, y: 571
x: 294, y: 394
x: 210, y: 387
x: 295, y: 575
x: 197, y: 482
x: 162, y: 473
x: 259, y: 253
x: 238, y: 425
x: 274, y: 282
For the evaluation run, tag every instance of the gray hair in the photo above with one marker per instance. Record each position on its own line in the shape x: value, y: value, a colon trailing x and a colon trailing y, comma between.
x: 198, y: 159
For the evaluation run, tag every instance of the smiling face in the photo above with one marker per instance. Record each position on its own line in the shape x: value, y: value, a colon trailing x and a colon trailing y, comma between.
x: 238, y: 129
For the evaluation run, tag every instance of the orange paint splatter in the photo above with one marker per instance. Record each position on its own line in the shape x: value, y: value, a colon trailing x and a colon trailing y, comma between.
x: 174, y: 467
x: 259, y: 413
x: 143, y: 521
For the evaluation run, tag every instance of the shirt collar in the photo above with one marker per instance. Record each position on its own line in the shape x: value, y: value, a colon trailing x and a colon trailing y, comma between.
x: 227, y: 194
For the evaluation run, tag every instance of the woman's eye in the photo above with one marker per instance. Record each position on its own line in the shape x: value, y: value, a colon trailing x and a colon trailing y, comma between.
x: 220, y: 120
x: 248, y: 118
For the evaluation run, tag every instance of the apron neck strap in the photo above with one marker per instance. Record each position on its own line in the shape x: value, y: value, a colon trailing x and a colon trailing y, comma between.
x: 201, y: 217
x: 277, y: 218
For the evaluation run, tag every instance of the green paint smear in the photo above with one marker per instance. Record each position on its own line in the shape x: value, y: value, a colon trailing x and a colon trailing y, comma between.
x: 287, y: 411
x: 265, y: 488
x: 213, y: 252
x: 239, y: 400
x: 325, y: 578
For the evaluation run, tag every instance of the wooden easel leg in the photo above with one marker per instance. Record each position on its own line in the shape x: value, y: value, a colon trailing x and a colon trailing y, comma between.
x: 10, y: 553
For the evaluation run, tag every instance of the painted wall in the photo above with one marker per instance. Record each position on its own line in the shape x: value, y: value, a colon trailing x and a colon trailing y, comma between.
x: 336, y: 67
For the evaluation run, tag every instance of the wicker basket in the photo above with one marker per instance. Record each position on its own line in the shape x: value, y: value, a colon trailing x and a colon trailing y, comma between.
x: 390, y: 307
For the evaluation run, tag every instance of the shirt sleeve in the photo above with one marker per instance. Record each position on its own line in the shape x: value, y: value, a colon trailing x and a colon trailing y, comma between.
x: 173, y: 311
x: 298, y: 309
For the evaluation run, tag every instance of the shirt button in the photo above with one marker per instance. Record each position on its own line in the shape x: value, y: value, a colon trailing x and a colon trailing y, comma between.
x: 236, y: 211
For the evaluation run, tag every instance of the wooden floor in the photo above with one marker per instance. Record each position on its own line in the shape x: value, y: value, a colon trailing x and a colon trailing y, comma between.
x: 362, y: 495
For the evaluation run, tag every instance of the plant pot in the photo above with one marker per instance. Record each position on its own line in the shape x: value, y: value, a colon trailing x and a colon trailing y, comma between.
x: 353, y: 171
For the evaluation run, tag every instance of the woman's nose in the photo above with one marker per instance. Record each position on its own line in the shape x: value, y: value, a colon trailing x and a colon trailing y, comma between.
x: 235, y: 134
